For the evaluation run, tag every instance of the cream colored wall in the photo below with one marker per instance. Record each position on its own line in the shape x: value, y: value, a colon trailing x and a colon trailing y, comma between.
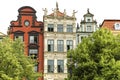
x: 56, y: 56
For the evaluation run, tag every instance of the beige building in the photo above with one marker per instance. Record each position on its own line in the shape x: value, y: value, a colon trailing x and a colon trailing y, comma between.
x: 59, y: 36
x: 2, y: 35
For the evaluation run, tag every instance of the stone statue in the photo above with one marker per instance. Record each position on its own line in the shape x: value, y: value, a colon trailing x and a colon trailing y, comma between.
x: 55, y: 12
x: 45, y: 11
x: 73, y: 15
x: 65, y: 12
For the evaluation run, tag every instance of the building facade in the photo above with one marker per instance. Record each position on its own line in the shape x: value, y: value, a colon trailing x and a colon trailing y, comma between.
x: 111, y: 24
x: 87, y: 27
x: 2, y: 35
x: 59, y: 37
x: 30, y: 31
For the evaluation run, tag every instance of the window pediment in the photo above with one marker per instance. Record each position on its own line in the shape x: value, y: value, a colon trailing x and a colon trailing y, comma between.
x: 33, y: 32
x: 19, y: 32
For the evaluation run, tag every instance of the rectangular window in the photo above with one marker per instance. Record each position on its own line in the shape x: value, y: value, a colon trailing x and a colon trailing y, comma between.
x: 50, y: 27
x: 60, y: 66
x: 33, y: 53
x: 89, y: 28
x: 60, y: 46
x: 36, y: 67
x: 69, y: 44
x: 50, y: 45
x: 50, y: 66
x: 19, y: 37
x: 60, y: 28
x: 69, y: 28
x: 34, y: 39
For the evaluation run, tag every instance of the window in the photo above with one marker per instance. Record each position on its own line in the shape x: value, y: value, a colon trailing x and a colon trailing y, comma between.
x: 50, y: 45
x: 82, y: 37
x: 50, y: 27
x: 117, y: 26
x: 34, y: 39
x: 69, y: 44
x: 69, y: 28
x: 60, y: 46
x: 89, y: 28
x: 51, y: 66
x: 60, y: 28
x: 27, y: 23
x: 36, y: 67
x: 88, y: 20
x: 19, y: 37
x: 60, y: 66
x: 33, y: 53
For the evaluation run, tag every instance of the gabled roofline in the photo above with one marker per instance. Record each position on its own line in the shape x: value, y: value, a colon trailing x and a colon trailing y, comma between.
x: 109, y: 20
x: 19, y: 10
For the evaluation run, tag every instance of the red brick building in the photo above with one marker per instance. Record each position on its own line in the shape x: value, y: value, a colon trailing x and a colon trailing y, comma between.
x: 111, y: 24
x: 29, y: 30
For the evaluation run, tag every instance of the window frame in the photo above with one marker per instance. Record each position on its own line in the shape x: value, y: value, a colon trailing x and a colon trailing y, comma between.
x: 31, y: 53
x: 33, y: 33
x: 69, y: 44
x: 50, y: 66
x: 89, y: 28
x: 50, y: 28
x: 19, y: 33
x: 59, y: 27
x: 60, y: 66
x: 50, y: 45
x: 60, y: 47
x: 36, y: 67
x: 35, y: 39
x: 69, y: 28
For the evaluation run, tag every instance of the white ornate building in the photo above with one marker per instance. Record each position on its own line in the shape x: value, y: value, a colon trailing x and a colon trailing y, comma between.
x: 87, y: 27
x: 59, y: 36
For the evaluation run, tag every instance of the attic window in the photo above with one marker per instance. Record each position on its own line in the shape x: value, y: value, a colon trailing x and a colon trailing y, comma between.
x: 88, y: 20
x: 117, y: 26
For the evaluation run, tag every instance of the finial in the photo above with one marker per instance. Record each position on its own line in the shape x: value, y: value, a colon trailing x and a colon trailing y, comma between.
x: 65, y: 11
x: 57, y: 6
x: 88, y: 10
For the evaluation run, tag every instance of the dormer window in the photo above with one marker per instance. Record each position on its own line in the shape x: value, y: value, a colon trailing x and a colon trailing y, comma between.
x: 117, y: 26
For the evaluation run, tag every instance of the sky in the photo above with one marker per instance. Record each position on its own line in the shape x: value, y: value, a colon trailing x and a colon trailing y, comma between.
x: 102, y: 9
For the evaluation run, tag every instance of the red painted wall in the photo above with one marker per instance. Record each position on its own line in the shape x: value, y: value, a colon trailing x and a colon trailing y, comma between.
x: 28, y: 13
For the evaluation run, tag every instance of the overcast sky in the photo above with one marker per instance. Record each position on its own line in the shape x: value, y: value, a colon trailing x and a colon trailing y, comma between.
x: 102, y: 9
